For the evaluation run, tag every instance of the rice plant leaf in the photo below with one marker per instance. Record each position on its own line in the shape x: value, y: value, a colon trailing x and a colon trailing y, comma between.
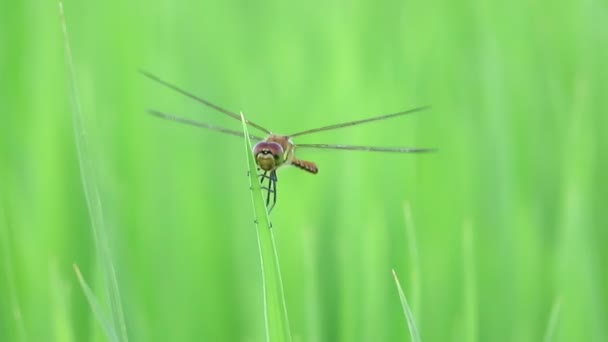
x: 106, y: 324
x: 409, y: 316
x: 9, y: 272
x: 414, y: 264
x: 89, y: 184
x: 469, y: 284
x: 275, y: 311
x: 553, y: 320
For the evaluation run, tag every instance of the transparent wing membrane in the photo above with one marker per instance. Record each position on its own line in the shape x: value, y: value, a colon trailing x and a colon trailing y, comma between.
x: 195, y: 123
x: 367, y: 148
x: 201, y: 100
x: 358, y: 122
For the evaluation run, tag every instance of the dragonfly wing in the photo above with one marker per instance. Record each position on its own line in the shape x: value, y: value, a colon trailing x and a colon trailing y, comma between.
x: 195, y: 123
x: 358, y: 122
x: 367, y: 148
x: 201, y: 100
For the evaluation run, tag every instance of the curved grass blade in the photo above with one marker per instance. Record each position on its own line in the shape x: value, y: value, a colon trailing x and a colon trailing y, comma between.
x: 89, y: 184
x: 275, y: 311
x: 61, y: 314
x: 19, y: 333
x: 414, y: 265
x: 411, y: 323
x: 469, y: 284
x: 553, y: 320
x: 106, y: 324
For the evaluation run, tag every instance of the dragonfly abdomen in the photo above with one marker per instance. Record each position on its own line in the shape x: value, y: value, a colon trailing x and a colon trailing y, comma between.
x: 305, y: 165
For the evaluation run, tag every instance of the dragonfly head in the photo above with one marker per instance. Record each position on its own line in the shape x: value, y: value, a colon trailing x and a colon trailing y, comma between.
x: 267, y: 155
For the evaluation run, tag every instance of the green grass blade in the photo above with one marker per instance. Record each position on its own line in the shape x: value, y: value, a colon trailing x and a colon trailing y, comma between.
x: 411, y: 323
x: 553, y: 319
x: 89, y: 184
x: 8, y: 271
x: 275, y: 311
x: 61, y: 314
x: 415, y: 272
x: 106, y: 324
x: 470, y: 285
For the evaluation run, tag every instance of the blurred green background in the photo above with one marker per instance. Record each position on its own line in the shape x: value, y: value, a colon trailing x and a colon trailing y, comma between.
x: 509, y: 215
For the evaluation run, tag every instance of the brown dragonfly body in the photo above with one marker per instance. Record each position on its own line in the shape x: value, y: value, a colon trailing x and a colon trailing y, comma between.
x: 276, y: 151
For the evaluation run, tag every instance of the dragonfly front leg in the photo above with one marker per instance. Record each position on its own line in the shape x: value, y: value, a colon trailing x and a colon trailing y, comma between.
x: 273, y: 183
x: 271, y: 188
x: 264, y: 176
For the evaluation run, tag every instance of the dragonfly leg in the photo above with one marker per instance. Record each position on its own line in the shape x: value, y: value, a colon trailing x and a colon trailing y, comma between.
x: 263, y: 176
x: 268, y: 193
x: 270, y: 187
x: 273, y: 185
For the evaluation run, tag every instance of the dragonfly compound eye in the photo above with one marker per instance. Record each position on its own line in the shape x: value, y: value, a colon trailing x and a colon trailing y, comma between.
x: 267, y: 155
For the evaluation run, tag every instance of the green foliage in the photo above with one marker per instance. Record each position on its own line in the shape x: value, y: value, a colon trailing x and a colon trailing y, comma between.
x: 118, y: 327
x: 275, y: 312
x: 407, y: 312
x: 96, y: 308
x: 517, y: 95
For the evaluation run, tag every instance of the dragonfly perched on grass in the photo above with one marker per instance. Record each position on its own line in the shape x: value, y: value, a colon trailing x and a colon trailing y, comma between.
x: 276, y: 150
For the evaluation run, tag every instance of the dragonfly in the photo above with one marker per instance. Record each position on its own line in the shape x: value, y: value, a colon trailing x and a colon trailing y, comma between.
x: 275, y: 151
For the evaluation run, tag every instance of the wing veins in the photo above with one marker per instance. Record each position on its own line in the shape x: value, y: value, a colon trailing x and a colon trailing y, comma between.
x: 368, y: 148
x: 201, y: 100
x: 195, y: 123
x: 358, y: 122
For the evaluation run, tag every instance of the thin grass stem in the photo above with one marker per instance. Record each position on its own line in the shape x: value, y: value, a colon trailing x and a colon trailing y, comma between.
x: 553, y: 320
x: 106, y: 324
x: 275, y: 310
x: 7, y: 256
x: 470, y: 285
x: 89, y: 184
x: 415, y: 280
x: 407, y: 311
